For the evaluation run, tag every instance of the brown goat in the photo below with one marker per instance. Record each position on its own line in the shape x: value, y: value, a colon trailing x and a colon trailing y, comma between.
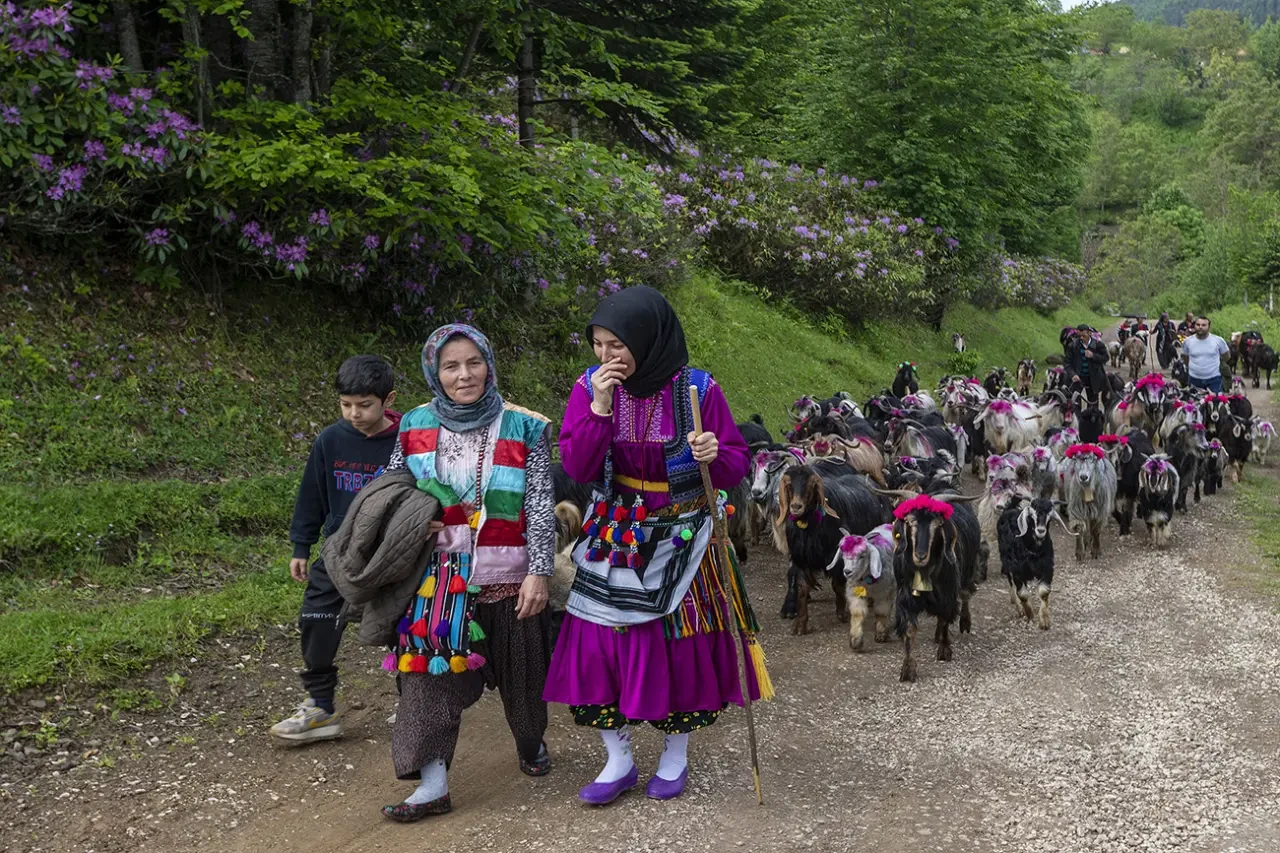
x: 862, y: 456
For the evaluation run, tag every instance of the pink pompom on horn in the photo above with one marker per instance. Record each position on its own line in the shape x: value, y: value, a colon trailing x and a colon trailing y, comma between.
x: 1155, y: 379
x: 1197, y: 427
x: 852, y: 546
x: 1003, y: 407
x: 1155, y: 466
x: 1041, y: 453
x: 762, y: 458
x: 1110, y: 438
x: 923, y: 503
x: 1085, y: 449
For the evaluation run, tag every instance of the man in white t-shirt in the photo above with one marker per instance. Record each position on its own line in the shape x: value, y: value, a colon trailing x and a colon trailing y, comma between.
x: 1203, y: 354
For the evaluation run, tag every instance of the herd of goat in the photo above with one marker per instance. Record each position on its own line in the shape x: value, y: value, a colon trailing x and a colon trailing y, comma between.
x: 867, y: 496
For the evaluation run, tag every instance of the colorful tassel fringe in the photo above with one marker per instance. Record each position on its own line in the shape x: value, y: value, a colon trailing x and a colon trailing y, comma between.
x: 405, y: 661
x: 458, y: 663
x: 763, y: 681
x: 457, y: 585
x: 389, y: 662
x: 475, y: 660
x: 418, y: 664
x: 419, y: 628
x: 438, y: 666
x: 477, y: 633
x: 442, y: 630
x: 428, y: 588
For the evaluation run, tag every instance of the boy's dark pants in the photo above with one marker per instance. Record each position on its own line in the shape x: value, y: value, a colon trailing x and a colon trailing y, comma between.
x: 321, y: 634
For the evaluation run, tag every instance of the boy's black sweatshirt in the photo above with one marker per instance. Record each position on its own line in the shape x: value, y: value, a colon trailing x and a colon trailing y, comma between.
x: 342, y: 461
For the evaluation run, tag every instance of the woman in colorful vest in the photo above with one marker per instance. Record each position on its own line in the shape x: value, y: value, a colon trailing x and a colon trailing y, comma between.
x: 651, y: 630
x: 478, y: 617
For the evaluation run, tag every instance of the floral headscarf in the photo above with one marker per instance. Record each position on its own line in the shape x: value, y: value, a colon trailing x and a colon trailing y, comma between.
x: 457, y: 417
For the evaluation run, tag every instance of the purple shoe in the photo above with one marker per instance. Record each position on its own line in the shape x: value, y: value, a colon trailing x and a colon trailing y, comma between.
x: 600, y: 793
x: 667, y: 789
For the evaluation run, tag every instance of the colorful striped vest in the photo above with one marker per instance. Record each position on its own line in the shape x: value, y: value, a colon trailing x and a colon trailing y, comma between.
x: 501, y: 550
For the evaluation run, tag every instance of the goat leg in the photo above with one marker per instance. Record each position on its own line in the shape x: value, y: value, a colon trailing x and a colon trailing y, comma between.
x: 789, y: 602
x: 966, y: 621
x: 1081, y: 532
x: 801, y: 626
x: 838, y: 586
x: 857, y: 620
x: 908, y: 661
x: 944, y: 647
x: 1044, y: 606
x: 1015, y: 599
x: 1095, y: 538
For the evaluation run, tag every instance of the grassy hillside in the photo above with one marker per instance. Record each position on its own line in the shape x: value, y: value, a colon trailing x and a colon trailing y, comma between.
x: 150, y: 445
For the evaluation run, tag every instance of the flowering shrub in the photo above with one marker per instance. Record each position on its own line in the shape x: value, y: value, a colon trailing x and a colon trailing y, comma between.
x: 84, y: 152
x: 429, y: 203
x: 1045, y: 284
x: 819, y: 240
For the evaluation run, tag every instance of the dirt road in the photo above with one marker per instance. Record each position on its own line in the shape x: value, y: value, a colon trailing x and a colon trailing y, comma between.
x: 1146, y: 719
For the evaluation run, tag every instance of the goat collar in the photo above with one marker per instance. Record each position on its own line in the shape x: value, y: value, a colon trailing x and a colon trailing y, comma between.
x: 923, y: 503
x: 815, y: 516
x: 1082, y: 449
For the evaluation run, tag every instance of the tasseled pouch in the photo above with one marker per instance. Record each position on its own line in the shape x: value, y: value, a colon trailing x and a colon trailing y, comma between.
x: 438, y: 635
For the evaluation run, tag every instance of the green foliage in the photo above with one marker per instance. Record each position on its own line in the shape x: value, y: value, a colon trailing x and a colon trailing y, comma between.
x: 1264, y: 46
x: 1138, y: 263
x: 1211, y: 31
x: 962, y: 111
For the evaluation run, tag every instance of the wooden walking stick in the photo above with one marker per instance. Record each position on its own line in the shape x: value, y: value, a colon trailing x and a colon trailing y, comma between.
x: 721, y: 534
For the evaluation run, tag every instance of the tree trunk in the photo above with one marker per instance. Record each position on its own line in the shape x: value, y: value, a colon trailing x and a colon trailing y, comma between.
x: 303, y: 17
x: 262, y: 56
x: 468, y: 56
x: 127, y: 27
x: 216, y: 30
x: 324, y: 55
x: 191, y: 34
x: 525, y: 91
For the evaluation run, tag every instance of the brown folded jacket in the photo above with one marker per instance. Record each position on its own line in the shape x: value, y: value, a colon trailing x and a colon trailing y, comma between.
x: 376, y: 558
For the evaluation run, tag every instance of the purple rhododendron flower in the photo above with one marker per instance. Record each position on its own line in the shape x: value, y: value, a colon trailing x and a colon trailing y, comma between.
x: 10, y: 115
x: 372, y: 241
x: 43, y: 162
x: 158, y: 237
x: 95, y: 150
x: 321, y: 218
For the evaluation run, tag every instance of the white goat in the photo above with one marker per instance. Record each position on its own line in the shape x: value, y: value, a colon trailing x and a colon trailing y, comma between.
x: 870, y: 587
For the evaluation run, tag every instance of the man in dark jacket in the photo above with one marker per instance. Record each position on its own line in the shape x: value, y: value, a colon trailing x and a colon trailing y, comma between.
x: 1166, y: 341
x: 1087, y: 363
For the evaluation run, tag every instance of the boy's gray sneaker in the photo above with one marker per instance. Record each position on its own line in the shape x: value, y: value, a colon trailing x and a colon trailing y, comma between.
x: 308, y: 723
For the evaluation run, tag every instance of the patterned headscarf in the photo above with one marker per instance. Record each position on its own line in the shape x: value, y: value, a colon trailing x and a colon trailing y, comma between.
x: 457, y: 417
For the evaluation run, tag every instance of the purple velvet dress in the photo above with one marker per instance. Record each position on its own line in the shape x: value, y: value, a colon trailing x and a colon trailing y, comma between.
x: 644, y: 669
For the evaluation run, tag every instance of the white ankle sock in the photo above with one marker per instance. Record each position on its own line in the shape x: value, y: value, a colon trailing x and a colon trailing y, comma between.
x: 674, y: 758
x: 434, y: 785
x: 618, y: 743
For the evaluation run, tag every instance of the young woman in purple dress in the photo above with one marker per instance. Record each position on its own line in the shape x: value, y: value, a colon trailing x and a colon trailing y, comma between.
x: 651, y: 633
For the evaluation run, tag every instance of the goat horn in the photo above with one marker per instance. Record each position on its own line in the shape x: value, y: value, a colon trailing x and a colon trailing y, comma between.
x: 1068, y: 530
x: 896, y: 494
x: 957, y: 499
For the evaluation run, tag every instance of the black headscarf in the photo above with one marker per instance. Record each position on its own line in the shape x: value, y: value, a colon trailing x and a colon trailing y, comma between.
x: 644, y: 320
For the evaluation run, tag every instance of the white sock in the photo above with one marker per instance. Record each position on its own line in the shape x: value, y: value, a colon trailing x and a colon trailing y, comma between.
x: 434, y: 785
x: 674, y: 758
x: 618, y: 743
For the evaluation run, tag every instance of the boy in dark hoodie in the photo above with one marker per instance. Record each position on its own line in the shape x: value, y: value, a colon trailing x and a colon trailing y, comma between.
x: 344, y: 458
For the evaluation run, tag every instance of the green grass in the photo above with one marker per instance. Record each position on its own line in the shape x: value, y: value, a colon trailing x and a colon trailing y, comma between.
x: 175, y: 471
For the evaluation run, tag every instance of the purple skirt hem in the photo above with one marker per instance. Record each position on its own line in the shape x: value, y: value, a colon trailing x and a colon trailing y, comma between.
x: 648, y: 676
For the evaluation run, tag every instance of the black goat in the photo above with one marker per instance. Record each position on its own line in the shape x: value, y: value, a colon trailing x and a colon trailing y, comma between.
x: 907, y: 381
x: 580, y: 495
x: 935, y: 566
x: 1178, y: 370
x: 1026, y: 553
x: 756, y: 434
x: 1183, y: 448
x: 1261, y: 358
x: 912, y: 438
x: 1127, y: 453
x: 1158, y: 487
x: 1215, y: 463
x: 1091, y: 417
x: 1239, y: 405
x: 994, y: 381
x: 1237, y: 439
x: 815, y: 503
